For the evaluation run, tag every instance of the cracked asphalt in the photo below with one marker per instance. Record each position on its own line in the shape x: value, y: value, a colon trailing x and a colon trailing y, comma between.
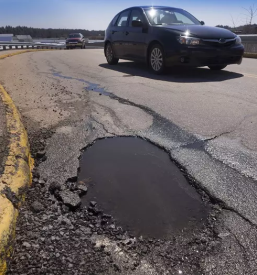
x: 206, y: 120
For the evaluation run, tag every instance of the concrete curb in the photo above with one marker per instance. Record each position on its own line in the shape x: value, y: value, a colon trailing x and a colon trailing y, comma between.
x: 15, y: 178
x: 21, y: 52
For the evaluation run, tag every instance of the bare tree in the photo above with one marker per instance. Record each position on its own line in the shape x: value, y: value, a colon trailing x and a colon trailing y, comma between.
x: 251, y: 13
x: 233, y: 21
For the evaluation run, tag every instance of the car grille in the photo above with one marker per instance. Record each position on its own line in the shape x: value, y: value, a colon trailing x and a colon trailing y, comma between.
x: 73, y: 40
x: 217, y: 44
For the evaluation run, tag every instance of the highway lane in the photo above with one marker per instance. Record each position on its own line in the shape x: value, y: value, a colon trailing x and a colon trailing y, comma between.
x: 206, y: 119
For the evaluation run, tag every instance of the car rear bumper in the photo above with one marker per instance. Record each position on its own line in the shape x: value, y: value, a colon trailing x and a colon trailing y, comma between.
x: 205, y: 56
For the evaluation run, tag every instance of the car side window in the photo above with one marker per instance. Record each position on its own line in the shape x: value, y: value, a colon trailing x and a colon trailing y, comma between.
x: 114, y: 20
x: 123, y: 19
x: 136, y: 15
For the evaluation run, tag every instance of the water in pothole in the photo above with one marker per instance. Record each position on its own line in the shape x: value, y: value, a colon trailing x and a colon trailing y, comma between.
x: 138, y: 184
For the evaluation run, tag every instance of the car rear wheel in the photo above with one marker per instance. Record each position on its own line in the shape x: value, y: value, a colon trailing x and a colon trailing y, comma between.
x: 218, y: 67
x: 111, y: 59
x: 156, y: 59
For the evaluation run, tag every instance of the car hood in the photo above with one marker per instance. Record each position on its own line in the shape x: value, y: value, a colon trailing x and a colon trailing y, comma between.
x: 202, y: 31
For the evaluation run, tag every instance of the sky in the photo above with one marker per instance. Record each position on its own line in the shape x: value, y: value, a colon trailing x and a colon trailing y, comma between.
x: 96, y: 14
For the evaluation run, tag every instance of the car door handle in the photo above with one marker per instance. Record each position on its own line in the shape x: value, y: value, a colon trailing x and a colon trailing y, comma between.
x: 126, y: 32
x: 113, y: 32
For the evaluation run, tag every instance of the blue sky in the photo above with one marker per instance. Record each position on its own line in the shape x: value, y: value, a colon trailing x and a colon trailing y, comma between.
x: 96, y: 14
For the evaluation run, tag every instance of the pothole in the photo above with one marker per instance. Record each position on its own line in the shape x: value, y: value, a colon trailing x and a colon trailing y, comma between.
x: 138, y: 184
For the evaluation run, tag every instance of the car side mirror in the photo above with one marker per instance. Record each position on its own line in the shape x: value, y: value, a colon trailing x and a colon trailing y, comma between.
x: 202, y: 23
x: 137, y: 24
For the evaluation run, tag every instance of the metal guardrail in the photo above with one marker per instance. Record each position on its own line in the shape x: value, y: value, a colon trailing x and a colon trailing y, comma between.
x: 250, y: 47
x: 248, y: 41
x: 19, y: 46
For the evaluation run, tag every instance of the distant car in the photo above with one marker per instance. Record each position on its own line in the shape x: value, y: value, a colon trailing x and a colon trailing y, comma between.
x: 75, y: 40
x: 165, y: 36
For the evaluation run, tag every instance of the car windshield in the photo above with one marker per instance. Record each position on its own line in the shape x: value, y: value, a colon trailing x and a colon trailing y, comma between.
x: 74, y: 35
x: 170, y: 16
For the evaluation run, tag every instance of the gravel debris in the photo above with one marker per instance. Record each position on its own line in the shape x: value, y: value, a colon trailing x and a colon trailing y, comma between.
x: 37, y: 207
x: 70, y: 199
x: 56, y: 235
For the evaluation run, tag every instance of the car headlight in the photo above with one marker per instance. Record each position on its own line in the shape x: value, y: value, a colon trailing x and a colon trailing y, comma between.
x: 189, y: 40
x: 238, y: 40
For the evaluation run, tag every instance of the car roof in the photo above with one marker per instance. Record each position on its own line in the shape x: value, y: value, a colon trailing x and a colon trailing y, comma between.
x: 148, y: 7
x: 157, y: 7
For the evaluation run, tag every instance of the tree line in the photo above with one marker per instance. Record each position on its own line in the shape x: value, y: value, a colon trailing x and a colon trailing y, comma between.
x: 48, y: 33
x: 243, y: 29
x: 63, y: 33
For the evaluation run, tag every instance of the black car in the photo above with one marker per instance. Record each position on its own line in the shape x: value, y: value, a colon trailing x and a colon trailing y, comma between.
x: 75, y: 40
x: 165, y: 36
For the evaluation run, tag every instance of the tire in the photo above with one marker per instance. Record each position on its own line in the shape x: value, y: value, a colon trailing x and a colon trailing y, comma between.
x: 217, y: 67
x: 156, y: 59
x: 111, y: 59
x: 67, y: 48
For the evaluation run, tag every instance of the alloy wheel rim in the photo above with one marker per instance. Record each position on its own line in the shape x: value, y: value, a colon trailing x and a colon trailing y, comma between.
x: 109, y: 53
x: 156, y: 59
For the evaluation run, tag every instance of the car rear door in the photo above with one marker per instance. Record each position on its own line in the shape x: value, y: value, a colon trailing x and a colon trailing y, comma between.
x: 118, y: 33
x: 135, y: 46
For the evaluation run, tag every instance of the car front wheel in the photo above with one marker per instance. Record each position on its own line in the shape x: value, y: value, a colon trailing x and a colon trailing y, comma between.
x: 111, y: 59
x: 156, y: 59
x: 218, y: 67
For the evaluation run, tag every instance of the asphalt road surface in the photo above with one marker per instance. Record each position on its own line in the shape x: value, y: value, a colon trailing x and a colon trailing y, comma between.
x: 206, y: 120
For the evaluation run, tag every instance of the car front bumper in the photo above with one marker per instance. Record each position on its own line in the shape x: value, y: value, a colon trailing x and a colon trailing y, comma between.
x: 205, y: 56
x: 73, y: 45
